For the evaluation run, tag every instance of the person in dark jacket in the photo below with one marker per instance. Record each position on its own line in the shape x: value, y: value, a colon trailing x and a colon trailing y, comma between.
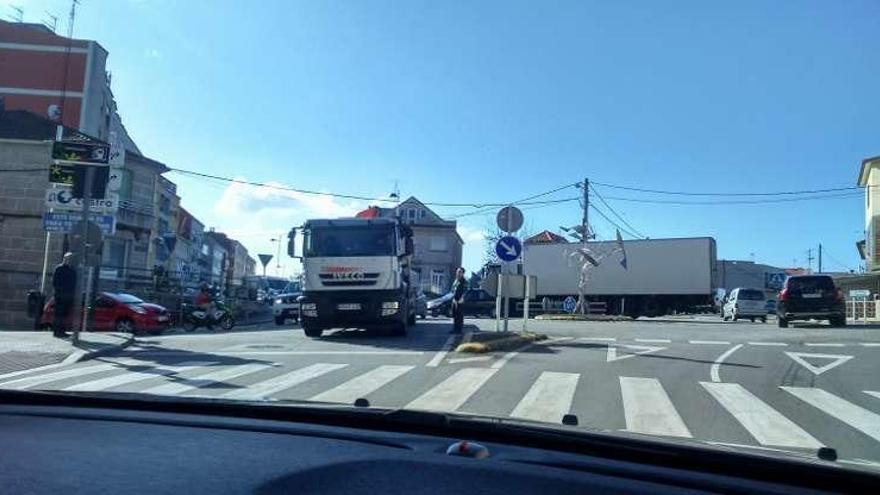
x: 459, y: 286
x: 64, y: 283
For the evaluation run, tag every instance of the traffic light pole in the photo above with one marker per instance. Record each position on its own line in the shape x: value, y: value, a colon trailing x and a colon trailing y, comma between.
x: 81, y: 282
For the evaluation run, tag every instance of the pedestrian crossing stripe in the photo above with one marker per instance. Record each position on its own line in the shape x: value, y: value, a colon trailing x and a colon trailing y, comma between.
x: 646, y: 406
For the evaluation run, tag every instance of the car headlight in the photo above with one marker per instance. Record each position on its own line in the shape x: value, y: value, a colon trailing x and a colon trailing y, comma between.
x: 139, y: 310
x: 279, y: 301
x: 390, y: 305
x: 309, y: 306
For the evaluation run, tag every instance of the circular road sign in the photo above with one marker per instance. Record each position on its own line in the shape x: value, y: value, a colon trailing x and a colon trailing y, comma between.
x: 508, y: 248
x: 569, y: 304
x: 509, y: 219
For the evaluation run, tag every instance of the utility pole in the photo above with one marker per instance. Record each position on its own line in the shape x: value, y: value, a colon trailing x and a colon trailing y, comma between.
x: 585, y: 222
x: 820, y: 257
x: 809, y: 260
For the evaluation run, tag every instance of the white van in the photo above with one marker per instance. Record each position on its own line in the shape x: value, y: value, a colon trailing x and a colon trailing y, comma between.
x: 745, y: 303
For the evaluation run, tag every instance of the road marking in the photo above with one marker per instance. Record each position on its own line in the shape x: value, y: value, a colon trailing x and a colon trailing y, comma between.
x: 468, y: 359
x: 128, y: 377
x: 821, y: 344
x: 510, y: 355
x: 716, y: 365
x: 451, y: 393
x: 549, y: 398
x: 837, y: 360
x: 639, y: 350
x: 207, y: 380
x: 363, y: 385
x: 709, y: 342
x: 764, y: 423
x: 441, y: 354
x: 600, y: 339
x: 266, y: 388
x: 276, y: 353
x: 33, y: 381
x: 872, y: 393
x: 780, y: 344
x: 648, y: 409
x: 870, y: 344
x: 654, y: 341
x: 859, y: 418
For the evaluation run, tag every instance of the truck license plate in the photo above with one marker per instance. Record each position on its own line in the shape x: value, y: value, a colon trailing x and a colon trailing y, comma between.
x: 349, y: 307
x: 812, y: 296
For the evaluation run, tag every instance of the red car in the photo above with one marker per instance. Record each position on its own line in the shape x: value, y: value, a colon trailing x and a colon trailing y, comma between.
x: 120, y: 312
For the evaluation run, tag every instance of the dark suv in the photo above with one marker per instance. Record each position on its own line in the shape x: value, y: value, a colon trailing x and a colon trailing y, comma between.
x: 807, y: 297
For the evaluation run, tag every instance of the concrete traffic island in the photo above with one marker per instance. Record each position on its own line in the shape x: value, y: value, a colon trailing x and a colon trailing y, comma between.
x: 483, y: 342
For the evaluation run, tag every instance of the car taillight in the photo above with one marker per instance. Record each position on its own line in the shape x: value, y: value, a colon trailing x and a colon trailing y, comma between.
x: 783, y: 295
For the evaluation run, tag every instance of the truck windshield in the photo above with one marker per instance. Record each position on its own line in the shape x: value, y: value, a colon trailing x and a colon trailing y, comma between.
x: 349, y: 241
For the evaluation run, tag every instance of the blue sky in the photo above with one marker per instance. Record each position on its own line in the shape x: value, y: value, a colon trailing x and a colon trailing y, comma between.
x: 497, y: 100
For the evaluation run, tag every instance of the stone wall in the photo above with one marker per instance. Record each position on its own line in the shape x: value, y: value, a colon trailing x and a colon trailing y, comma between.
x: 22, y: 239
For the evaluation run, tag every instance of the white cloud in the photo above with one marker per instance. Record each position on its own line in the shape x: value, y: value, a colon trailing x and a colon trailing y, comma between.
x: 471, y: 234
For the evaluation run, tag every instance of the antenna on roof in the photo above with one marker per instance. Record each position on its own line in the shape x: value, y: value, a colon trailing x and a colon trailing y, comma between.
x: 52, y: 22
x: 18, y: 16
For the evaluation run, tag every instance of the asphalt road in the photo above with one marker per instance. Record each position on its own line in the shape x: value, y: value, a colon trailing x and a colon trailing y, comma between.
x: 742, y: 383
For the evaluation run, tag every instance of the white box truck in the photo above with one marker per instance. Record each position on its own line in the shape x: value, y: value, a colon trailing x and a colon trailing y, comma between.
x: 661, y: 275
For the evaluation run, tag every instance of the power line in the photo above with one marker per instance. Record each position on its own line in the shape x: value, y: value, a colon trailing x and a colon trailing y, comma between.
x: 614, y: 212
x: 687, y: 193
x: 363, y: 198
x: 735, y: 202
x: 612, y: 222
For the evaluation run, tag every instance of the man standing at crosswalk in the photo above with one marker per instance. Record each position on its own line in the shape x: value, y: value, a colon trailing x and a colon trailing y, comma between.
x: 458, y: 288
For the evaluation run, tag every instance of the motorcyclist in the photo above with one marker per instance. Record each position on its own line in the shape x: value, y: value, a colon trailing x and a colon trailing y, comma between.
x: 205, y: 302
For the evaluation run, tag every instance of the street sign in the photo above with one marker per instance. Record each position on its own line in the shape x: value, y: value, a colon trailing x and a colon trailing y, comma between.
x: 508, y: 248
x: 774, y: 280
x: 60, y: 197
x: 65, y: 222
x: 265, y: 259
x: 509, y: 219
x: 81, y: 151
x: 569, y: 304
x: 859, y: 293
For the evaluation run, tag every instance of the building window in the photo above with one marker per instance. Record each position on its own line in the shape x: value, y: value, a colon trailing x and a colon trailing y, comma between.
x: 411, y: 213
x: 422, y: 213
x: 438, y: 281
x: 438, y: 243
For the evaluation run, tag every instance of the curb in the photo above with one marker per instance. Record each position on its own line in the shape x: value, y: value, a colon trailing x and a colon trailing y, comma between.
x: 499, y: 344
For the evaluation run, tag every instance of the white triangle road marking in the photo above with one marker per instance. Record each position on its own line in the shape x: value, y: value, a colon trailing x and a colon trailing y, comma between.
x: 837, y: 360
x: 637, y: 351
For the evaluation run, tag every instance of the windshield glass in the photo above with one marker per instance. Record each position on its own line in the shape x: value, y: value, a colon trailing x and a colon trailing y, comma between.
x: 520, y: 210
x: 127, y: 298
x: 751, y: 295
x: 377, y: 240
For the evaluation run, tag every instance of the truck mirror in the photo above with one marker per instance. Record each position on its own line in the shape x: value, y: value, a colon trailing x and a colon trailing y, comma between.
x: 291, y: 236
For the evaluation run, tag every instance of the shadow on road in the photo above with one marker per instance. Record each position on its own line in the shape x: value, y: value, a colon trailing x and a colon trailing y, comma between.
x: 427, y: 337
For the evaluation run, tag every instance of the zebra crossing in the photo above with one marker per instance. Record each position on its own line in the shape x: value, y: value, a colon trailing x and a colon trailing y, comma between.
x: 645, y: 403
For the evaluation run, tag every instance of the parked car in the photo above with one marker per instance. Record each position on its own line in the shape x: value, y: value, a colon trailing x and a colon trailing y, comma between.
x: 421, y: 305
x: 806, y: 297
x: 477, y: 302
x: 120, y: 312
x: 286, y: 307
x: 745, y: 303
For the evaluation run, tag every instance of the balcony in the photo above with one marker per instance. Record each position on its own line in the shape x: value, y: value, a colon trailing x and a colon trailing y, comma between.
x: 135, y: 214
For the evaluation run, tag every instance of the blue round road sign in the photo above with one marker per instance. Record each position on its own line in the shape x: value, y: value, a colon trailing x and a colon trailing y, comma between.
x: 508, y: 248
x: 569, y: 304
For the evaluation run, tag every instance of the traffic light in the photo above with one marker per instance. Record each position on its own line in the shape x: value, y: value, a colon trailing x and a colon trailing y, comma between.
x: 100, y: 176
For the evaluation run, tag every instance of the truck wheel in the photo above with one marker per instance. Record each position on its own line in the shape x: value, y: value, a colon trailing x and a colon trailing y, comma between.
x: 752, y: 320
x: 838, y: 322
x: 783, y: 323
x: 311, y: 331
x: 279, y: 320
x: 763, y: 319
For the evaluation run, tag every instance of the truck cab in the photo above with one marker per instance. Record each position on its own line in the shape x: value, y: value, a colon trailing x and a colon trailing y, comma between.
x: 356, y: 274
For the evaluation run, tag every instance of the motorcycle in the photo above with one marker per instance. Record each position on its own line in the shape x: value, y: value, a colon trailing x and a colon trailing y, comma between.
x: 194, y: 317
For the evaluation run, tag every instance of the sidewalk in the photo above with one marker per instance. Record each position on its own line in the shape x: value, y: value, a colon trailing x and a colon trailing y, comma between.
x: 27, y: 350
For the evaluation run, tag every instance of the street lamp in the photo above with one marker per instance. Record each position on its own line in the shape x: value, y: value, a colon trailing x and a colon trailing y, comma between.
x: 278, y: 255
